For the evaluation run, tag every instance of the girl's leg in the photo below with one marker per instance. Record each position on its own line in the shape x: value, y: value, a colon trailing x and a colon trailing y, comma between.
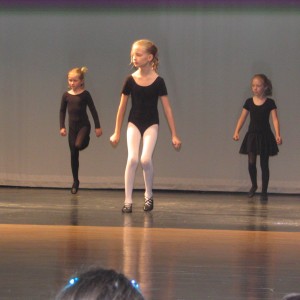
x: 83, y: 138
x: 77, y: 142
x: 74, y: 160
x: 265, y: 173
x: 149, y: 142
x: 75, y: 163
x: 253, y: 173
x: 133, y: 145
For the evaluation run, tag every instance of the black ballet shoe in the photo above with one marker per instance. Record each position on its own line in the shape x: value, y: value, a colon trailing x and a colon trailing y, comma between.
x: 149, y: 204
x: 252, y: 191
x: 75, y: 187
x: 127, y: 208
x: 264, y: 197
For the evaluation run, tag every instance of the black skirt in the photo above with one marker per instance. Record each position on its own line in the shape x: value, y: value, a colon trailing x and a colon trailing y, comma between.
x: 259, y: 143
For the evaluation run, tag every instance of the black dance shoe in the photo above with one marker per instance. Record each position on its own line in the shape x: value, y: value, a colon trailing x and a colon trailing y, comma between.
x: 75, y: 187
x: 264, y: 197
x: 127, y: 208
x: 149, y: 204
x: 252, y: 191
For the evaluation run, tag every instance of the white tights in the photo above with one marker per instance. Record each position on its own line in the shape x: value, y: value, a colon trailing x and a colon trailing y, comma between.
x: 133, y: 145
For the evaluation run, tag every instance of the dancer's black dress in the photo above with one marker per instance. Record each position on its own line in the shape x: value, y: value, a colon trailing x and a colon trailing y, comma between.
x: 79, y: 125
x: 259, y: 139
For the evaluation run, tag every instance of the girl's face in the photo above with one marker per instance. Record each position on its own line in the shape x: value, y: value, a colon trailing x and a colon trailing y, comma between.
x: 75, y: 83
x: 258, y: 87
x: 140, y: 57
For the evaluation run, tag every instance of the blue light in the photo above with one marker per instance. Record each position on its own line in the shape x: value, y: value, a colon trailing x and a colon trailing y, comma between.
x: 73, y: 280
x: 135, y: 285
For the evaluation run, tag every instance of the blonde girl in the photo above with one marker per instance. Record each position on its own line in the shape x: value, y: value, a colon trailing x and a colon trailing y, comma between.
x: 145, y: 87
x: 76, y: 100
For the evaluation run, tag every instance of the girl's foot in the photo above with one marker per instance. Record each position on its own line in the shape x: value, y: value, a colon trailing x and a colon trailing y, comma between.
x: 252, y: 191
x: 127, y: 208
x: 149, y: 204
x: 264, y: 196
x: 75, y: 187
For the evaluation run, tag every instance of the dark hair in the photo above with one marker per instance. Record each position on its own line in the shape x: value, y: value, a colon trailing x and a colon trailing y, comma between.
x: 266, y: 82
x: 291, y: 297
x: 100, y: 284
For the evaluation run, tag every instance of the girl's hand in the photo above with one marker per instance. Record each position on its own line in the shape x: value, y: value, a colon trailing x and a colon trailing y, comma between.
x: 176, y: 142
x: 278, y: 140
x: 236, y: 137
x: 114, y: 139
x: 98, y: 132
x: 63, y: 132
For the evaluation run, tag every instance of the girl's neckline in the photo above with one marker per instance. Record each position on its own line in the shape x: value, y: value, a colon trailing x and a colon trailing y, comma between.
x: 76, y: 94
x: 144, y: 85
x: 259, y: 104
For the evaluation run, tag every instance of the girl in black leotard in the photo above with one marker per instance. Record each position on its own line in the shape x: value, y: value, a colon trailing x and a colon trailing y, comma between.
x: 76, y: 100
x: 145, y: 87
x: 259, y: 140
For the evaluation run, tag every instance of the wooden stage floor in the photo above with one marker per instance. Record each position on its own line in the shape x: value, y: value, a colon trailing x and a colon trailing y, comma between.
x: 192, y: 246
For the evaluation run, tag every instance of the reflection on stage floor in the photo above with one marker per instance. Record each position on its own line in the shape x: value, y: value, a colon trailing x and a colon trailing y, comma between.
x: 192, y: 246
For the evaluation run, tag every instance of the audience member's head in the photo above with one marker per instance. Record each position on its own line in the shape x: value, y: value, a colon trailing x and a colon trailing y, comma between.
x: 100, y: 284
x: 292, y: 296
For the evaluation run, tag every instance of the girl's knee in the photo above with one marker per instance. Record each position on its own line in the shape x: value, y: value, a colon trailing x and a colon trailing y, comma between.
x: 82, y: 144
x: 132, y: 161
x: 79, y: 146
x: 146, y: 163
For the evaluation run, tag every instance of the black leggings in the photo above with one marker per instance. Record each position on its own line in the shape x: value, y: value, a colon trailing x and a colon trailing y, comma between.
x: 265, y: 172
x: 78, y: 140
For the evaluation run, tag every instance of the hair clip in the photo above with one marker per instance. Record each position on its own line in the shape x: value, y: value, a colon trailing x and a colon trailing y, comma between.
x: 135, y: 285
x: 72, y: 281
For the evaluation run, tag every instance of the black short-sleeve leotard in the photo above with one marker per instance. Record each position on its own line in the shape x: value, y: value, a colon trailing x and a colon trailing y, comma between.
x: 77, y: 105
x: 259, y: 138
x: 144, y: 99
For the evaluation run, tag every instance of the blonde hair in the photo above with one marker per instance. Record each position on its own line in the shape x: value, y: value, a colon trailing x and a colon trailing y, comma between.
x: 80, y: 72
x: 151, y: 49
